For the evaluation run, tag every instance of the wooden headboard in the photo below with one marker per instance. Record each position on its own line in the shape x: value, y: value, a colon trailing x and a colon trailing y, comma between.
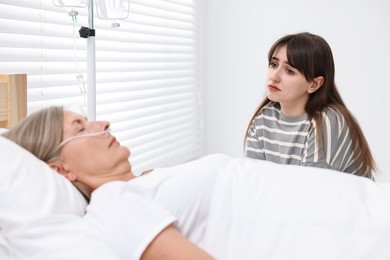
x: 13, y: 99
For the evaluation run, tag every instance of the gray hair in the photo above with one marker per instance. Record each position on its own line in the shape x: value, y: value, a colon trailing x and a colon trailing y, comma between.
x: 40, y: 133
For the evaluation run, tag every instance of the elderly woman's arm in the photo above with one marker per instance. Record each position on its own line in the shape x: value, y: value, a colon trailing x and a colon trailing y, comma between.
x: 170, y: 244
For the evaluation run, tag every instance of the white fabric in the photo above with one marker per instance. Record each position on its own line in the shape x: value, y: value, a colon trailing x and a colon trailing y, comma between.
x: 2, y: 130
x: 59, y: 237
x: 259, y: 210
x: 122, y: 213
x: 40, y: 216
x: 5, y: 248
x: 263, y: 210
x: 127, y: 221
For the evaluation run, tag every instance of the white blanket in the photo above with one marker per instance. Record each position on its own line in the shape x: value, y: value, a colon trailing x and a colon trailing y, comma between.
x: 262, y: 210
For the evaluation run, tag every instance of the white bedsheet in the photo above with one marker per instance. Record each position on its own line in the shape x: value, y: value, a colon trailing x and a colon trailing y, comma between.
x: 262, y: 210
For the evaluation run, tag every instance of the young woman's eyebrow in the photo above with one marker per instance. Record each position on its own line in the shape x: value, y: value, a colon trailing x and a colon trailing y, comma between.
x: 274, y: 58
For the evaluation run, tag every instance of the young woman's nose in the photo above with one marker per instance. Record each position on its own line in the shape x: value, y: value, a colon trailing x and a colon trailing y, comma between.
x: 274, y: 75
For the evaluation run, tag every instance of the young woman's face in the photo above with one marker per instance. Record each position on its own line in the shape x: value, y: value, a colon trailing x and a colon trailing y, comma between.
x: 286, y: 84
x: 92, y: 160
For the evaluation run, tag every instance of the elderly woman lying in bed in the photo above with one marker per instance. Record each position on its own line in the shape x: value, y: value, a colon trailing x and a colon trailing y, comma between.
x: 164, y: 214
x: 90, y: 157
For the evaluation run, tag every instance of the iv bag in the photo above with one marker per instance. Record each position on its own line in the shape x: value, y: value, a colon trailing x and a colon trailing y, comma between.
x: 113, y: 9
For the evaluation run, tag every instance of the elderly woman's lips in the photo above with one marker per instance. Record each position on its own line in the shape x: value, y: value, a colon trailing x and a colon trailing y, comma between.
x: 113, y: 141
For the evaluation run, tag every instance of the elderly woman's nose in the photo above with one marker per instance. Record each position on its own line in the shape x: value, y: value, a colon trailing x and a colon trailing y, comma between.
x: 100, y: 125
x: 106, y: 125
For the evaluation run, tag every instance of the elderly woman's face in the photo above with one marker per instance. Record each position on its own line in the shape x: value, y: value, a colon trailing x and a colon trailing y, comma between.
x: 92, y: 160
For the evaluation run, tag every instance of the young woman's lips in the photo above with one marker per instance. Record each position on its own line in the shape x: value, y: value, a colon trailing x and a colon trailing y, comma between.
x: 273, y: 88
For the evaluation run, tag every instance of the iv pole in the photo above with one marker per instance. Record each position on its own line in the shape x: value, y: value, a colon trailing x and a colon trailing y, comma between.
x: 89, y: 34
x: 91, y: 64
x: 91, y: 67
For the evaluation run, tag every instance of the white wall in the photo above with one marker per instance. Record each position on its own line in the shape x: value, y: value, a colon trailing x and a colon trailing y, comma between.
x: 239, y: 34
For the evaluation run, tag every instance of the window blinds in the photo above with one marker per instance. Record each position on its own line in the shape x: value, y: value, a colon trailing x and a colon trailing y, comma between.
x: 147, y: 71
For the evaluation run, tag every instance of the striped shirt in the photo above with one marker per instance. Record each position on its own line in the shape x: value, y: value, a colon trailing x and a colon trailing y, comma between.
x: 292, y: 140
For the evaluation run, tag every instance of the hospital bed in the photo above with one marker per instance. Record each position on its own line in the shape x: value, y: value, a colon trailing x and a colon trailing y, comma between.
x: 259, y: 210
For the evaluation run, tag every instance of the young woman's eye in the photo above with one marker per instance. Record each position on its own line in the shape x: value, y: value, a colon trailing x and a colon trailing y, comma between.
x: 272, y: 65
x: 290, y: 72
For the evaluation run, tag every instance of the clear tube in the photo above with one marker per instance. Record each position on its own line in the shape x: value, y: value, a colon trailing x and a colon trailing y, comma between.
x: 67, y: 140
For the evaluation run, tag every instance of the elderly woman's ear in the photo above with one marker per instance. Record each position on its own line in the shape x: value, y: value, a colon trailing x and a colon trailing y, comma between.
x: 61, y: 169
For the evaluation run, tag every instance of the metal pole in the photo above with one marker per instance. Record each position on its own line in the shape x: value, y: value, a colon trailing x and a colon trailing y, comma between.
x: 91, y: 68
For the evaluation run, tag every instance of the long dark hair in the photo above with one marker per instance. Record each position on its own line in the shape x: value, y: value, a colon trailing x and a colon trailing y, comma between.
x: 312, y: 56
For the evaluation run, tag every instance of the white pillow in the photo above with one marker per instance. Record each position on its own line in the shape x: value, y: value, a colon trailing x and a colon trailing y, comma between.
x: 2, y: 130
x: 41, y: 211
x: 30, y: 188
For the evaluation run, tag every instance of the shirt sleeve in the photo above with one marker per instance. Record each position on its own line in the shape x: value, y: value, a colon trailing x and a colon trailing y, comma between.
x: 125, y: 218
x: 337, y: 151
x: 253, y: 146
